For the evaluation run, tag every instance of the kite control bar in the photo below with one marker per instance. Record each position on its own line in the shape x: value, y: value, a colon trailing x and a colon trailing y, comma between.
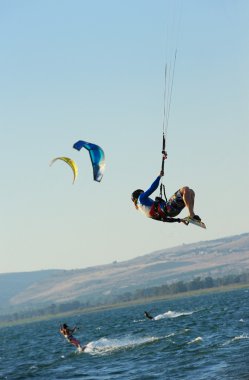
x: 164, y: 153
x: 164, y: 157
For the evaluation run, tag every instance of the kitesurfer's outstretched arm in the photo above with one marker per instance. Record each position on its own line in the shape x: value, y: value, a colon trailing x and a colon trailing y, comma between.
x: 74, y: 329
x: 151, y: 189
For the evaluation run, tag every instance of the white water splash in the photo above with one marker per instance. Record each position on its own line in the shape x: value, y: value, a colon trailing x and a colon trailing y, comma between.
x: 196, y: 340
x: 106, y: 345
x: 236, y: 338
x: 243, y: 336
x: 172, y: 314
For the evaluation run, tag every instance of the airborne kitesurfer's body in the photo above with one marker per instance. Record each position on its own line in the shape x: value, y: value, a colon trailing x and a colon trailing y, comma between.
x: 161, y: 210
x: 68, y: 334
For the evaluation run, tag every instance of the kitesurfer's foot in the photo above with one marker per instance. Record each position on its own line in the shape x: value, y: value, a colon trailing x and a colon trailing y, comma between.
x: 196, y: 217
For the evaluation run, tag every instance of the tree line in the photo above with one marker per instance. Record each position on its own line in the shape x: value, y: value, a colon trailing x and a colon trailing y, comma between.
x: 178, y: 287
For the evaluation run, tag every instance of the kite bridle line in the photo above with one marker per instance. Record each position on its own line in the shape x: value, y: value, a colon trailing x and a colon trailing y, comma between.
x: 172, y: 36
x: 169, y: 74
x: 168, y: 89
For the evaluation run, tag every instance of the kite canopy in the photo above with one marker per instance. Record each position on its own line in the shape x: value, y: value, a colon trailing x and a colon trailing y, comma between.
x: 97, y: 157
x: 70, y: 162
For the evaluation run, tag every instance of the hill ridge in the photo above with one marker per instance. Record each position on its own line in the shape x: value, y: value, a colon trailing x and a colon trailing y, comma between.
x: 39, y: 288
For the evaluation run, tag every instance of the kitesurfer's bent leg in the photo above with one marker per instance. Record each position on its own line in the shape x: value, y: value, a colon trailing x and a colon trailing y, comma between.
x: 188, y: 196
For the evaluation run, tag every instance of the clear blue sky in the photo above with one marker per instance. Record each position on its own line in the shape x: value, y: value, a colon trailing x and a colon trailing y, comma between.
x: 94, y: 70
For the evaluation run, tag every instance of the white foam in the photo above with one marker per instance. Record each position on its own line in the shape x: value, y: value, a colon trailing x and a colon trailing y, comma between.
x: 196, y: 340
x: 105, y: 345
x: 243, y: 336
x: 239, y: 337
x: 172, y: 314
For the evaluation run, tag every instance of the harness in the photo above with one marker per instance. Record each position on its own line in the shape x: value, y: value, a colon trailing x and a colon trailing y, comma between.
x: 156, y: 211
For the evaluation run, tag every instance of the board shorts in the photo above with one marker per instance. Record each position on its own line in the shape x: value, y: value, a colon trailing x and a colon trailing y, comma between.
x: 74, y: 341
x: 175, y: 204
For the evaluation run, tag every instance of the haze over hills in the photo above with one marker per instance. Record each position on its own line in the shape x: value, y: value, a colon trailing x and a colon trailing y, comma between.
x: 229, y: 255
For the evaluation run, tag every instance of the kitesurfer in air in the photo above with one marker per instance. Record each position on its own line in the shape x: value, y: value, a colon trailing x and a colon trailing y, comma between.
x: 165, y: 211
x: 68, y: 334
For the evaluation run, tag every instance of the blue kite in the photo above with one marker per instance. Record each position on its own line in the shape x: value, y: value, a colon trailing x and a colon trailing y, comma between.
x: 97, y: 157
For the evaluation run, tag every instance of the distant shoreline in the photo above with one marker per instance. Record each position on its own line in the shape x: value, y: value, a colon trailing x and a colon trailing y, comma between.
x: 221, y: 289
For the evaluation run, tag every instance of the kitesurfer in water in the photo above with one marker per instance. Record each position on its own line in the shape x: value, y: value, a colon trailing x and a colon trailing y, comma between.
x: 161, y: 210
x: 147, y: 315
x: 68, y: 334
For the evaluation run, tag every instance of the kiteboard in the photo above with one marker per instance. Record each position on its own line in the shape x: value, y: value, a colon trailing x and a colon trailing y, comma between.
x: 198, y: 223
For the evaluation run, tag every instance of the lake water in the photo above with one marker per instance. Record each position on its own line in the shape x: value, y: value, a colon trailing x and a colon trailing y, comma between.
x: 194, y: 338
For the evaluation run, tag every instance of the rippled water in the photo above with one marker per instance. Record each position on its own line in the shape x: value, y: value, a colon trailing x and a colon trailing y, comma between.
x: 202, y: 337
